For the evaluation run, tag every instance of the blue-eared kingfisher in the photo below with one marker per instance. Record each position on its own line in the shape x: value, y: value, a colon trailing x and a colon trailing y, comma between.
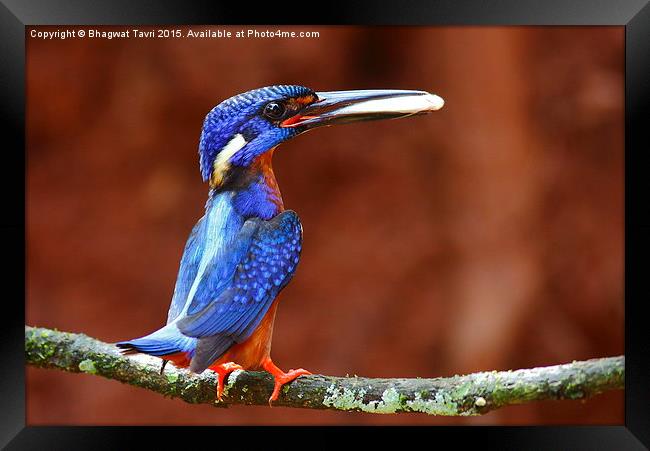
x: 245, y: 248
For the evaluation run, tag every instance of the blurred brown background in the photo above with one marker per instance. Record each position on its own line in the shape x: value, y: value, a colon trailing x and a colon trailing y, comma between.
x: 488, y: 235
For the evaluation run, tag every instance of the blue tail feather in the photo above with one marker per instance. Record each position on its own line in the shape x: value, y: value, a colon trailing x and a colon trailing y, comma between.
x: 165, y: 341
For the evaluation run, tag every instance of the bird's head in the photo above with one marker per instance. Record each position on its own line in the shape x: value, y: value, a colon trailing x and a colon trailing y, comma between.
x: 248, y: 125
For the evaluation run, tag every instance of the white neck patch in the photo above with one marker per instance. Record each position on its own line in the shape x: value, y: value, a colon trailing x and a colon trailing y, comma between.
x: 222, y: 162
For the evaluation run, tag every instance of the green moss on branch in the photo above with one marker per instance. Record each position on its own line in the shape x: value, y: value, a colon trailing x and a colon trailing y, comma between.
x: 473, y: 394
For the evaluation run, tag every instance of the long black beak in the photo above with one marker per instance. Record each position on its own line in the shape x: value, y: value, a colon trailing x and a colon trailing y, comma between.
x: 336, y: 107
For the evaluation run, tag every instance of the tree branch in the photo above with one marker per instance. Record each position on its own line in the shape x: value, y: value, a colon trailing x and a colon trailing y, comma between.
x: 473, y: 394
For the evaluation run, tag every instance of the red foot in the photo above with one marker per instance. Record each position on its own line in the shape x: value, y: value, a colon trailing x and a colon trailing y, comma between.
x: 223, y: 371
x: 281, y: 377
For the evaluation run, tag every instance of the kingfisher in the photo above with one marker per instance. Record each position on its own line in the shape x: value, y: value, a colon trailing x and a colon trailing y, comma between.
x: 246, y: 247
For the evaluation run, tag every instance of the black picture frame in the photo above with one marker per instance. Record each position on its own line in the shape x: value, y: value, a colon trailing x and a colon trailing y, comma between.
x: 634, y: 15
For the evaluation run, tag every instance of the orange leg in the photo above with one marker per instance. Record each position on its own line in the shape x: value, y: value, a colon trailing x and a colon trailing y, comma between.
x: 280, y: 376
x: 223, y: 370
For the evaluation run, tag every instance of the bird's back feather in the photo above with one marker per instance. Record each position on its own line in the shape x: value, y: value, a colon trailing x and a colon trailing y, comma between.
x: 230, y: 273
x: 267, y: 253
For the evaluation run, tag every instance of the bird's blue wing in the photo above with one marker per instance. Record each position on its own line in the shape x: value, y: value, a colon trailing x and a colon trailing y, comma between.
x: 187, y: 270
x: 263, y: 260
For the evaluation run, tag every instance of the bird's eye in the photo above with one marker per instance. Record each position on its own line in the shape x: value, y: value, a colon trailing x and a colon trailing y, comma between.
x: 274, y: 110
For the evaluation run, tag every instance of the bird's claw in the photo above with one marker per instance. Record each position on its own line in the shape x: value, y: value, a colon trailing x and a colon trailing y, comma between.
x: 281, y: 378
x: 223, y: 371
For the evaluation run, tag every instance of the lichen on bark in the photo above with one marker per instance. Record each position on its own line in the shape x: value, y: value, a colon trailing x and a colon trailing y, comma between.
x: 472, y: 394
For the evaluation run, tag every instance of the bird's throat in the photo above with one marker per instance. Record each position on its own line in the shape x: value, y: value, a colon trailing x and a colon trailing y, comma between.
x: 255, y: 191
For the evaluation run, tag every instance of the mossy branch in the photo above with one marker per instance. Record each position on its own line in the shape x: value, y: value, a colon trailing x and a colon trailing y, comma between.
x: 473, y: 394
